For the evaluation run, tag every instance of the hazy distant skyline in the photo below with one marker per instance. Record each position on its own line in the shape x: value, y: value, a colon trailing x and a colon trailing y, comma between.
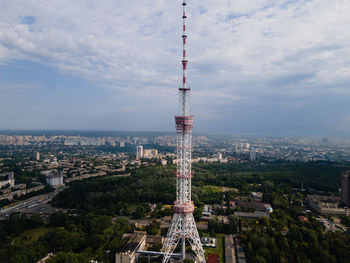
x: 255, y: 67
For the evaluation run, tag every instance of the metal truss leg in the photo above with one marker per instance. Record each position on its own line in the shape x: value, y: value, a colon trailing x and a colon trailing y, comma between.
x: 172, y: 238
x: 183, y: 225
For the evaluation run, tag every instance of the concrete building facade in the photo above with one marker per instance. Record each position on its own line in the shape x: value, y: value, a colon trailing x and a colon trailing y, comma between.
x: 128, y: 255
x: 139, y: 152
x: 7, y: 179
x: 150, y: 153
x: 345, y: 187
x: 55, y: 179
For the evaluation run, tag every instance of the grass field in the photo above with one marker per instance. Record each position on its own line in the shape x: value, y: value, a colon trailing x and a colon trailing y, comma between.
x: 219, y: 249
x: 32, y: 235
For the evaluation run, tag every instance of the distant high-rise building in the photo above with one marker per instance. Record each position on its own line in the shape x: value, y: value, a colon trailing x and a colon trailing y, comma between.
x: 139, y: 152
x: 220, y: 156
x: 122, y: 144
x: 241, y: 146
x: 55, y: 179
x: 36, y: 156
x: 345, y: 187
x: 252, y: 154
x: 245, y: 146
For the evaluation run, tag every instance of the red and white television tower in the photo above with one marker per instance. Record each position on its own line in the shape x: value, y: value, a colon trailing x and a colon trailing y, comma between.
x: 183, y: 225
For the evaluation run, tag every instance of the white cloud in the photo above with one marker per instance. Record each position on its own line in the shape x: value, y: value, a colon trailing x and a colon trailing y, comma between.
x: 239, y: 51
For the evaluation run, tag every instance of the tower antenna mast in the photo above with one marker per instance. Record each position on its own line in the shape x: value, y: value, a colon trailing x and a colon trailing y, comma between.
x: 183, y: 226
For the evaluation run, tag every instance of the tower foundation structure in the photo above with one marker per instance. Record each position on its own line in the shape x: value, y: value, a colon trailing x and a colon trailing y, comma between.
x: 183, y: 226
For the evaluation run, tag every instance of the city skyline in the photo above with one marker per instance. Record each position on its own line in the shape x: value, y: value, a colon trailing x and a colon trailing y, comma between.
x: 276, y: 68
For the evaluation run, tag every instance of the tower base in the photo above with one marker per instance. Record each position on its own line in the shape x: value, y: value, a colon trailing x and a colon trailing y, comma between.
x: 183, y: 227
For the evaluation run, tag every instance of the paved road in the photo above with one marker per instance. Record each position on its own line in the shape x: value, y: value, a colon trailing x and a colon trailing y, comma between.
x: 35, y: 205
x: 230, y: 254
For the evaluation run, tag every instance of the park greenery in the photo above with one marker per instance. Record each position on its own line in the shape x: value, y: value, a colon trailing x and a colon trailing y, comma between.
x: 156, y: 184
x: 73, y: 238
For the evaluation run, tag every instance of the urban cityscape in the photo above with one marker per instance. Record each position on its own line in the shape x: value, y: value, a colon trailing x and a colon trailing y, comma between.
x: 41, y: 173
x: 98, y: 166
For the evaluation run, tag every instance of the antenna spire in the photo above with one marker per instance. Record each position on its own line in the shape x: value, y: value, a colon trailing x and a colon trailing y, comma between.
x: 184, y: 59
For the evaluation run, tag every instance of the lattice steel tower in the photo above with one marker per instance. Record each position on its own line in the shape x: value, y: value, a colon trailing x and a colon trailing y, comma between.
x: 183, y: 225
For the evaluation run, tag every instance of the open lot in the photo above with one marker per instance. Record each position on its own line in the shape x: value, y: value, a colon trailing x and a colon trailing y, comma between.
x: 32, y: 235
x: 218, y: 250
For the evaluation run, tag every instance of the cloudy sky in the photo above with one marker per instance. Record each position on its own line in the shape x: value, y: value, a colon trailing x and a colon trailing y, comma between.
x: 272, y: 67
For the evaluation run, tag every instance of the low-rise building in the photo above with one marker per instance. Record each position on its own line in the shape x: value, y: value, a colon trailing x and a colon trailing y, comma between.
x: 256, y: 214
x: 150, y: 153
x: 327, y: 205
x: 85, y: 176
x: 257, y: 196
x: 21, y: 192
x: 128, y: 254
x: 258, y: 206
x: 152, y: 240
x: 7, y: 179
